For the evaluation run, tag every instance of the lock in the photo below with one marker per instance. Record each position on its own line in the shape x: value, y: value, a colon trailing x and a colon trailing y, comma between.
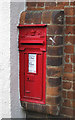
x: 28, y: 79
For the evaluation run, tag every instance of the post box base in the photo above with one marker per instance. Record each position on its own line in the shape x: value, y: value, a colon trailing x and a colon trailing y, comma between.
x: 41, y: 108
x: 30, y: 114
x: 35, y: 115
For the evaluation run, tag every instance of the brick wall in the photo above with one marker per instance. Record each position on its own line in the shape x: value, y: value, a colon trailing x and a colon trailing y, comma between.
x: 60, y: 67
x: 68, y: 81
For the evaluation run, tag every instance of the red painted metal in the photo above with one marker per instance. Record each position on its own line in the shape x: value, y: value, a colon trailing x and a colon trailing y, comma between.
x: 32, y: 42
x: 32, y: 25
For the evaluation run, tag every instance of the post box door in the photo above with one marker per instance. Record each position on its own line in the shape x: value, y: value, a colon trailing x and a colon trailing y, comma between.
x: 34, y: 75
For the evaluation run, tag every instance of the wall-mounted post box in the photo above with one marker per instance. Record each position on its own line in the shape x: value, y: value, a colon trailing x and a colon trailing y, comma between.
x: 32, y: 62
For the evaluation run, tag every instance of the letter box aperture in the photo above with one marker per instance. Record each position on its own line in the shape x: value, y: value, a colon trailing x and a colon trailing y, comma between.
x: 32, y: 62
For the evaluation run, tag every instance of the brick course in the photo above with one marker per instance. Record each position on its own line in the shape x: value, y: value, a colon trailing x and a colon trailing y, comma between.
x: 53, y: 82
x: 58, y: 17
x: 66, y: 58
x: 69, y: 11
x: 54, y: 61
x: 73, y: 58
x: 55, y: 29
x: 67, y: 85
x: 54, y: 71
x: 69, y: 49
x: 68, y: 76
x: 56, y: 51
x: 53, y: 100
x: 53, y: 91
x: 70, y: 30
x: 67, y: 103
x: 58, y: 40
x: 70, y: 39
x: 70, y: 20
x: 68, y: 68
x: 46, y: 15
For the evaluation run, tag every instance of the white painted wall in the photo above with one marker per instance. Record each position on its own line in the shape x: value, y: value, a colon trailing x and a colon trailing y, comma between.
x: 9, y: 81
x: 5, y: 60
x: 15, y: 9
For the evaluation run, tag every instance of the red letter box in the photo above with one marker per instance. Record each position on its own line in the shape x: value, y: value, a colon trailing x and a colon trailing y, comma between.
x: 32, y: 60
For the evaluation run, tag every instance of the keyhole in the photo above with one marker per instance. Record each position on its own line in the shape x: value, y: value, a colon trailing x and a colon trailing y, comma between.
x: 27, y: 78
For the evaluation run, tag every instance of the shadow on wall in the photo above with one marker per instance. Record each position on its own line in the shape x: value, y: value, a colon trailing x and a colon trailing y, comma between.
x: 15, y: 9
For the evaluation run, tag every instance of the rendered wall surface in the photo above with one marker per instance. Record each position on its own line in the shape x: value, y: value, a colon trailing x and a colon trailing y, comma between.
x: 5, y: 111
x: 16, y: 110
x: 9, y: 85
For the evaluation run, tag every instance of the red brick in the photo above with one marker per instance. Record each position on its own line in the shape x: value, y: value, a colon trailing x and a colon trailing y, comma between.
x: 54, y: 61
x: 54, y: 71
x: 72, y: 3
x: 74, y: 76
x: 66, y: 58
x: 74, y: 68
x: 71, y: 94
x: 31, y: 4
x: 70, y: 39
x: 37, y: 107
x: 73, y: 86
x: 67, y: 103
x: 33, y: 8
x: 40, y: 4
x: 29, y: 18
x: 53, y: 110
x: 33, y: 17
x: 73, y: 58
x: 69, y: 11
x: 69, y: 49
x: 64, y: 94
x: 50, y: 4
x: 74, y: 113
x: 46, y: 16
x: 67, y: 85
x: 68, y: 68
x: 53, y: 82
x: 54, y: 7
x: 22, y: 18
x: 53, y: 100
x: 62, y: 3
x: 54, y: 29
x: 68, y: 76
x: 70, y: 20
x: 53, y: 91
x: 30, y: 106
x: 67, y: 111
x: 58, y: 40
x: 55, y: 51
x: 73, y: 103
x: 45, y: 108
x: 58, y: 17
x: 70, y: 30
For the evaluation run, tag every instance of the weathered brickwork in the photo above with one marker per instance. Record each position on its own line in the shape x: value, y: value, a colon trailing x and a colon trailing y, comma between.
x: 68, y: 80
x: 60, y: 67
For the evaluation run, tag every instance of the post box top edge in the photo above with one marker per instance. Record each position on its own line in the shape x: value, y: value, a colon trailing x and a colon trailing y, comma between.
x: 32, y: 25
